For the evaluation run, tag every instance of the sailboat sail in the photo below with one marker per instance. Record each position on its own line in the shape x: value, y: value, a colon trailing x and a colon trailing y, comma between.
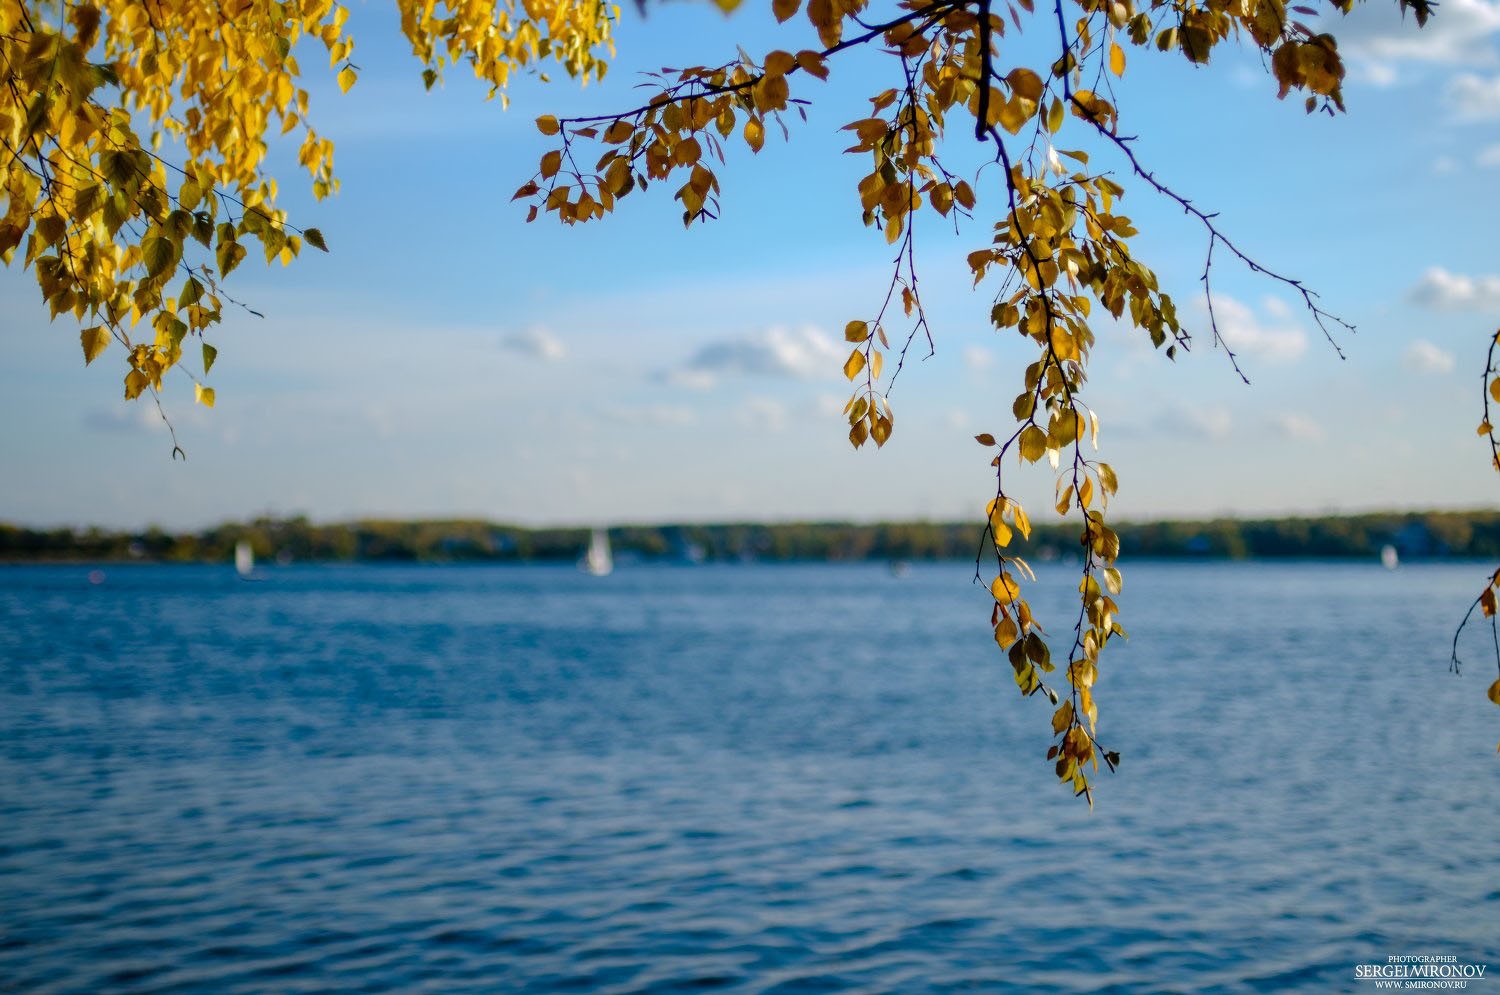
x: 599, y: 561
x: 244, y: 559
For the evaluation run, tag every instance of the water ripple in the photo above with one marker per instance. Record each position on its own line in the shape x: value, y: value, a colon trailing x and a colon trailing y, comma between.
x: 751, y: 780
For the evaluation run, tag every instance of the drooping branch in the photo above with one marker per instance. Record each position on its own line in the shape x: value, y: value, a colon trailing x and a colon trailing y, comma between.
x: 1123, y: 144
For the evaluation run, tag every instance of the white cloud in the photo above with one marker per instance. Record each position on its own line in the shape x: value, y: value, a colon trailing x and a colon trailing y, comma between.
x: 1424, y: 357
x: 1377, y: 38
x: 1204, y: 421
x: 1443, y: 291
x: 830, y: 405
x: 955, y: 419
x: 652, y: 414
x: 765, y: 413
x: 538, y: 343
x: 805, y: 354
x: 1276, y: 308
x: 1298, y: 427
x: 1474, y: 97
x: 1245, y: 334
x: 139, y: 416
x: 1488, y: 157
x: 691, y: 379
x: 977, y: 357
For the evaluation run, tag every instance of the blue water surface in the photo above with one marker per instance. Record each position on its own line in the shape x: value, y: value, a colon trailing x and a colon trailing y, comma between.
x: 742, y: 778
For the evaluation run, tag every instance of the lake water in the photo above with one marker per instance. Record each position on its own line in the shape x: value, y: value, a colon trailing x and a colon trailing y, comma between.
x: 732, y: 778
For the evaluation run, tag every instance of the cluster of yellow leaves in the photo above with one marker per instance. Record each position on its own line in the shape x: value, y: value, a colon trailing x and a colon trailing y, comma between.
x: 682, y: 128
x: 109, y: 218
x: 869, y: 410
x: 496, y: 39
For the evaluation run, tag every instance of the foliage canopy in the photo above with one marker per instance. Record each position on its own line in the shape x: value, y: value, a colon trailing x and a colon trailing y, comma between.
x: 135, y: 242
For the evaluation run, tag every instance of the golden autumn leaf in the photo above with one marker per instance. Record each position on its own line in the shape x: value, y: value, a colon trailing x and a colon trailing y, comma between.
x: 854, y: 364
x: 94, y: 338
x: 1005, y: 589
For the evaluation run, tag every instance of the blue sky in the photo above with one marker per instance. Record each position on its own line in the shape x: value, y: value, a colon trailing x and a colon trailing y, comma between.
x: 447, y: 359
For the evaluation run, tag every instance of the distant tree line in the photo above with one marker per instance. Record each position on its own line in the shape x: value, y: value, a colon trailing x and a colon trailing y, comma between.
x: 1415, y: 535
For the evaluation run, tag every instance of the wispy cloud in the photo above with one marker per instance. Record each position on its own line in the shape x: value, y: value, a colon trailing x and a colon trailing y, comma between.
x: 130, y: 418
x: 1273, y: 337
x: 1474, y: 97
x: 1488, y: 157
x: 668, y: 415
x: 977, y: 357
x: 538, y: 343
x: 1300, y: 428
x: 1379, y: 40
x: 1424, y: 357
x: 764, y: 413
x: 1206, y: 421
x: 804, y: 354
x: 1441, y: 290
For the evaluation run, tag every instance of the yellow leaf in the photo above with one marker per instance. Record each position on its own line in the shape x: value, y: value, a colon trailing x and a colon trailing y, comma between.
x: 551, y: 163
x: 209, y: 355
x: 778, y: 63
x: 347, y: 76
x: 1005, y: 589
x: 94, y: 341
x: 1022, y: 520
x: 135, y: 382
x: 1033, y: 443
x: 785, y: 10
x: 204, y: 395
x: 856, y: 331
x: 1002, y: 533
x: 1025, y: 83
x: 876, y: 361
x: 1006, y: 633
x: 1107, y: 478
x: 755, y: 134
x: 547, y: 125
x: 1014, y: 114
x: 812, y: 63
x: 1495, y: 389
x: 854, y: 364
x: 1495, y: 692
x: 1116, y: 59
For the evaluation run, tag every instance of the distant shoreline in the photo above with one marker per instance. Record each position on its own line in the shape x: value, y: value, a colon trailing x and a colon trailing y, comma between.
x: 1437, y: 535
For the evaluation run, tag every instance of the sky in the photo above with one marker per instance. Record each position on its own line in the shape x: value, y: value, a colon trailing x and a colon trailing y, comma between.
x: 446, y: 359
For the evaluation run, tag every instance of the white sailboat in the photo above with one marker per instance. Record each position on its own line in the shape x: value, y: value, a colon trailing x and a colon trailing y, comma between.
x: 244, y: 559
x: 598, y: 560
